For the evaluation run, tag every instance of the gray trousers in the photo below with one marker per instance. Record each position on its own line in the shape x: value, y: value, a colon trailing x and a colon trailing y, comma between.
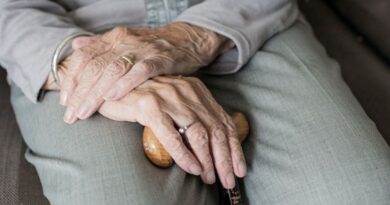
x: 310, y: 142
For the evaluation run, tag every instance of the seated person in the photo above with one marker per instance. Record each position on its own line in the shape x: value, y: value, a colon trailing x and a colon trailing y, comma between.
x: 186, y: 64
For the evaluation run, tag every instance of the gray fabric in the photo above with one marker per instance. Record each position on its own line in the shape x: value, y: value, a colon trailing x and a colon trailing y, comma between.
x: 370, y: 18
x: 30, y: 30
x: 366, y: 73
x: 310, y: 142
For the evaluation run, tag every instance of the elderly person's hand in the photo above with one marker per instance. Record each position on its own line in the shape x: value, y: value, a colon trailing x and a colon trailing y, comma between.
x: 120, y: 60
x: 165, y: 103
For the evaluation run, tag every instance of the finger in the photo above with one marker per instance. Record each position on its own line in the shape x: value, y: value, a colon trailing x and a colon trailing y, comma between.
x: 82, y: 41
x: 196, y: 137
x: 205, y: 107
x: 221, y: 154
x: 198, y: 140
x: 79, y: 60
x: 120, y: 110
x: 94, y: 97
x: 170, y: 138
x: 185, y: 87
x: 237, y: 154
x: 239, y: 163
x: 88, y: 78
x: 139, y: 73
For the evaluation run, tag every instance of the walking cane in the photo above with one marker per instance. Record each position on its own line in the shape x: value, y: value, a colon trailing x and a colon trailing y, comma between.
x: 156, y: 153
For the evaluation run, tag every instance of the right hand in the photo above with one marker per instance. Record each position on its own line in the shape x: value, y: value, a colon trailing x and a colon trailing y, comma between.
x: 165, y: 103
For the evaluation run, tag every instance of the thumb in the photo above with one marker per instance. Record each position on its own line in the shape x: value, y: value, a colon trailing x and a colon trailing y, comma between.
x: 82, y: 41
x: 50, y: 84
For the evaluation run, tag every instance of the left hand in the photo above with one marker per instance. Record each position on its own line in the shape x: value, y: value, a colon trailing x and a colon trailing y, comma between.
x: 164, y: 103
x: 167, y: 101
x: 101, y: 70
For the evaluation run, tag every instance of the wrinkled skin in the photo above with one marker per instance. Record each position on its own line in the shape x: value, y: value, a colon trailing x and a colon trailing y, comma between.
x: 97, y: 72
x: 164, y: 103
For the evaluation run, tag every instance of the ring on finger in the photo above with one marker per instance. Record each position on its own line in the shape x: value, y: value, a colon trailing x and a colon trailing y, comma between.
x: 128, y: 59
x: 182, y: 130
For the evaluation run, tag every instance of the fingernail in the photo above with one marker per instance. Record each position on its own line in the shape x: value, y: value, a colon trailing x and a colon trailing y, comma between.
x: 63, y: 98
x: 242, y: 168
x: 195, y: 169
x: 210, y: 177
x: 110, y: 95
x: 83, y: 111
x: 69, y: 116
x: 230, y: 181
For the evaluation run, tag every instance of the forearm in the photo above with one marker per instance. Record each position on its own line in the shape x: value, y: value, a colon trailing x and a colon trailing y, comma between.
x: 202, y: 43
x: 248, y: 23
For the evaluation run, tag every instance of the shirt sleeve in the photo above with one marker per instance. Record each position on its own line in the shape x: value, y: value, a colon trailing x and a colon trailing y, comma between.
x: 29, y: 34
x: 248, y: 23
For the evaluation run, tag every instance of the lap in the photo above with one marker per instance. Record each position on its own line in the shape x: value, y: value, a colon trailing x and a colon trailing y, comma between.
x: 98, y: 161
x: 310, y: 140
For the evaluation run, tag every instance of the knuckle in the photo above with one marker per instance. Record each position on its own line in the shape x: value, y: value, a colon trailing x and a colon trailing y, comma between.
x: 163, y: 43
x: 218, y: 136
x: 85, y: 53
x: 150, y: 101
x: 235, y: 145
x: 174, y: 142
x: 232, y: 130
x: 183, y: 157
x: 148, y: 67
x: 118, y: 31
x: 234, y: 141
x: 98, y: 62
x: 82, y: 88
x: 208, y: 162
x: 116, y: 68
x: 200, y: 137
x: 194, y: 81
x: 225, y: 164
x: 184, y: 81
x: 152, y: 47
x: 185, y: 85
x: 168, y: 89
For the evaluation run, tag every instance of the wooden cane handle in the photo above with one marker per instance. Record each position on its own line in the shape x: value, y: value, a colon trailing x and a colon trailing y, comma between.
x: 156, y: 153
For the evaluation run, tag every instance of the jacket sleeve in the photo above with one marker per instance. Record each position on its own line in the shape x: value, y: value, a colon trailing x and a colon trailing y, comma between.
x: 248, y: 23
x: 29, y: 34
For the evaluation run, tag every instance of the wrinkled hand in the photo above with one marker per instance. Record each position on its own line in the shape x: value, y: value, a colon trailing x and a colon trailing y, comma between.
x: 165, y: 103
x: 98, y: 71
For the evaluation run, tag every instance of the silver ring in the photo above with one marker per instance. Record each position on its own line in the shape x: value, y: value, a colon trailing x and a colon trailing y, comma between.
x: 182, y: 130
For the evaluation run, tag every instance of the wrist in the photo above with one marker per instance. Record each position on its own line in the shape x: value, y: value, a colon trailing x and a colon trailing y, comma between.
x: 63, y: 49
x: 204, y: 43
